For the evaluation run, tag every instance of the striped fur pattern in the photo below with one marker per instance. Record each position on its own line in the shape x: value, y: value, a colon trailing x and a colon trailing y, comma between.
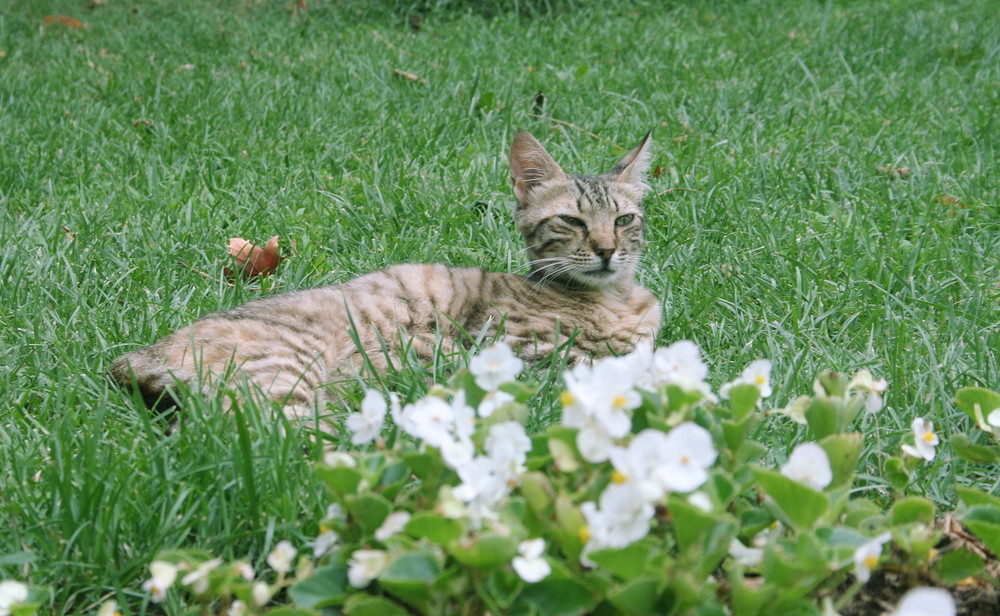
x: 584, y: 239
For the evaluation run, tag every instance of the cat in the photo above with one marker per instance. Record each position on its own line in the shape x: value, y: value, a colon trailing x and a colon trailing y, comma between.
x: 584, y: 237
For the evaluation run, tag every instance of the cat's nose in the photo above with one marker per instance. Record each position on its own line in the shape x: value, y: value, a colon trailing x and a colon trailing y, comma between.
x: 605, y: 253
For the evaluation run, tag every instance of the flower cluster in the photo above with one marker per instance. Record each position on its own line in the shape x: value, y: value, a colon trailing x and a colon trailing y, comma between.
x: 648, y: 486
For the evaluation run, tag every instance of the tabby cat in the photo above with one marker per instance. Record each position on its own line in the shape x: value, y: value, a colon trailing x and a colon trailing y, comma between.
x: 584, y: 235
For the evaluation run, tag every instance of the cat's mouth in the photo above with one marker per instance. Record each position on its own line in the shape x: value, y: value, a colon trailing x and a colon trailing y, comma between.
x: 601, y: 272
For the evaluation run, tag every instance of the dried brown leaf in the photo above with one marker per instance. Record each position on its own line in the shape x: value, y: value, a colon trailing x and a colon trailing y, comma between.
x: 62, y: 20
x: 252, y: 261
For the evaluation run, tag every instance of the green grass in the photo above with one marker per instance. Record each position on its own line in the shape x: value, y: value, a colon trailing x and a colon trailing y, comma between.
x: 131, y: 150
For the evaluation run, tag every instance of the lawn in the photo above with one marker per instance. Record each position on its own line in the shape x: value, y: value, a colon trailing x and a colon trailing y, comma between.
x: 824, y: 194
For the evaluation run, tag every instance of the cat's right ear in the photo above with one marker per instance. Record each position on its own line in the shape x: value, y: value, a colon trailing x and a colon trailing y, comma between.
x: 530, y: 165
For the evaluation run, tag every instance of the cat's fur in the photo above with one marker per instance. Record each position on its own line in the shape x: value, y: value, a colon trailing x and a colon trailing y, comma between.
x: 583, y: 233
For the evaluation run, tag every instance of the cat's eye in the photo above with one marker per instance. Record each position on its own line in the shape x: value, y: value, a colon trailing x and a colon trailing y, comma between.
x: 621, y: 221
x: 573, y: 221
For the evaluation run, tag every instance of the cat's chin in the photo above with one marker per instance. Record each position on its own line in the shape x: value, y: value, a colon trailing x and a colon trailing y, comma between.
x: 600, y: 278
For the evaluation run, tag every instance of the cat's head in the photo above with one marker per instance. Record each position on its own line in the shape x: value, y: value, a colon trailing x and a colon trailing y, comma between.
x: 584, y: 230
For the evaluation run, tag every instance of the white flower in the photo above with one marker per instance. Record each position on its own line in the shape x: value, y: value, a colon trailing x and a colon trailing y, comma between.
x: 11, y: 593
x: 484, y: 485
x: 198, y: 579
x: 689, y: 455
x: 261, y: 593
x: 392, y: 524
x: 238, y: 608
x: 324, y: 543
x: 680, y: 364
x: 809, y: 465
x: 494, y: 366
x: 109, y: 608
x: 925, y: 601
x: 281, y: 557
x: 758, y: 373
x: 529, y: 564
x: 748, y: 557
x: 492, y: 401
x: 640, y: 462
x: 435, y: 421
x: 334, y: 459
x: 622, y: 519
x: 701, y: 500
x: 598, y: 400
x: 924, y: 439
x: 162, y: 578
x: 366, y: 565
x: 244, y: 570
x: 994, y: 418
x: 508, y: 445
x: 366, y: 424
x: 867, y: 555
x: 796, y: 409
x: 864, y: 381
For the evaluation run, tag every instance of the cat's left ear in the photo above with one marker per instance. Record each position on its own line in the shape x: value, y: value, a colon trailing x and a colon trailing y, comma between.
x: 632, y: 169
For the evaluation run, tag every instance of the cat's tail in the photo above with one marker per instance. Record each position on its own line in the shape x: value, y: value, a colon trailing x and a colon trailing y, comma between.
x: 147, y: 372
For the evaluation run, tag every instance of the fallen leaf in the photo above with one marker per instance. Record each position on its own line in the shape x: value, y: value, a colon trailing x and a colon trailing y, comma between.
x: 61, y: 20
x: 253, y: 261
x: 414, y: 21
x: 539, y: 103
x: 894, y: 173
x: 949, y: 201
x: 658, y: 171
x: 70, y: 235
x: 406, y: 75
x: 184, y: 67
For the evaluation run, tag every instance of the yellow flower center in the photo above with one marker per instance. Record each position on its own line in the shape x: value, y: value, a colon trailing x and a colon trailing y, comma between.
x: 930, y: 437
x: 584, y: 534
x: 618, y: 477
x: 566, y: 398
x: 871, y: 561
x: 685, y: 460
x: 619, y: 402
x: 760, y: 379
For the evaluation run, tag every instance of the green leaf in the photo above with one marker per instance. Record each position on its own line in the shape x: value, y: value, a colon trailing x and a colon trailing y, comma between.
x: 327, y: 586
x: 798, y: 504
x: 971, y: 452
x: 743, y: 400
x: 434, y: 527
x: 484, y: 551
x: 844, y: 451
x: 984, y: 522
x: 367, y: 605
x: 408, y: 578
x: 895, y: 473
x: 537, y: 491
x: 862, y: 513
x: 637, y: 597
x: 822, y: 417
x: 973, y: 497
x: 968, y: 398
x: 560, y: 597
x: 691, y: 525
x: 412, y: 567
x: 958, y: 565
x: 342, y: 480
x: 912, y: 510
x: 290, y: 611
x: 626, y: 563
x: 736, y: 432
x: 368, y: 511
x: 425, y: 465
